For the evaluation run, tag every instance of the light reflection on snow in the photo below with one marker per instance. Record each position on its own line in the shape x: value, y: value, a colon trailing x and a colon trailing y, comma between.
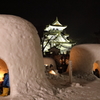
x: 52, y: 72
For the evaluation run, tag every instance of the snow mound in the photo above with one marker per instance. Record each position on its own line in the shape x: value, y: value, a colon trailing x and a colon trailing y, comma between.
x: 83, y: 57
x: 21, y: 51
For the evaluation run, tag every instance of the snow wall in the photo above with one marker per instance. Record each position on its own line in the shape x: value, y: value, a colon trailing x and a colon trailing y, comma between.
x: 20, y: 50
x: 85, y: 58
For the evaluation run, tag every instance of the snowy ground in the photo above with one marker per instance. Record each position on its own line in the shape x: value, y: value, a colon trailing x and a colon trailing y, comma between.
x: 81, y: 88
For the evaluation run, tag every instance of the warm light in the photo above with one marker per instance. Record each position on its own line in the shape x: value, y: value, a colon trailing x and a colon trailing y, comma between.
x: 46, y: 65
x: 1, y: 77
x: 52, y: 72
x: 60, y: 61
x: 95, y: 66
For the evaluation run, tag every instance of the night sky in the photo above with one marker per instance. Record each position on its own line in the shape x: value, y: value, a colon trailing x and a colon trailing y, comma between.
x: 81, y: 16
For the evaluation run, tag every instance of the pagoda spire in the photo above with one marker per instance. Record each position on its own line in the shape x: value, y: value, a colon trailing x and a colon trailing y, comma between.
x: 56, y: 25
x: 56, y: 22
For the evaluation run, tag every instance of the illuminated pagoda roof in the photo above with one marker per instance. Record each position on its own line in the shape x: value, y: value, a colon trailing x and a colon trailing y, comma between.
x: 56, y: 25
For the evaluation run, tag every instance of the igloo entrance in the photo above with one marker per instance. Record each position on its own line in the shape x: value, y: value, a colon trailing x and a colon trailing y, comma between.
x: 3, y: 70
x: 96, y: 68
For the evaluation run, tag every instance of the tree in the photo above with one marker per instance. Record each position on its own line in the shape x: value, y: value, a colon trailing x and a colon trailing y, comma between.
x: 48, y: 41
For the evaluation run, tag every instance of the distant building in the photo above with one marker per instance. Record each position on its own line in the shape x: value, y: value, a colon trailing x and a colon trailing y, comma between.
x: 55, y: 36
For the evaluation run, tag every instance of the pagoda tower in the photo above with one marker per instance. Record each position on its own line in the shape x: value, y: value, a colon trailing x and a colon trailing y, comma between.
x: 54, y: 36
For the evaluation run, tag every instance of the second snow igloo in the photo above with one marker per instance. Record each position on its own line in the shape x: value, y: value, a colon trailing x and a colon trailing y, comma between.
x: 83, y: 57
x: 49, y: 61
x: 21, y: 51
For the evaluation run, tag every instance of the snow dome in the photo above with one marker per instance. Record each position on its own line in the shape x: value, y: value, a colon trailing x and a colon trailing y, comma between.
x: 49, y: 61
x: 85, y: 58
x: 20, y: 50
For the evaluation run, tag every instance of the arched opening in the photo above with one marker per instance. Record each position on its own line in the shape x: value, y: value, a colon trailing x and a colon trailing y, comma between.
x: 3, y: 70
x: 96, y: 69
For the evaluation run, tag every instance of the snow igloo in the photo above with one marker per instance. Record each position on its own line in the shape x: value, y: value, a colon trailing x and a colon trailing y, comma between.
x: 20, y: 53
x: 85, y: 58
x: 49, y: 61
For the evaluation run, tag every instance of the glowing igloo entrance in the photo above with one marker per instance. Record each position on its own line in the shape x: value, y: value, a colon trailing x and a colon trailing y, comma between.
x: 96, y: 68
x: 3, y: 69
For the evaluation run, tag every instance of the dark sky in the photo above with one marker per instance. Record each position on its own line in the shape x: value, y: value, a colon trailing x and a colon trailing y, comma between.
x: 81, y: 16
